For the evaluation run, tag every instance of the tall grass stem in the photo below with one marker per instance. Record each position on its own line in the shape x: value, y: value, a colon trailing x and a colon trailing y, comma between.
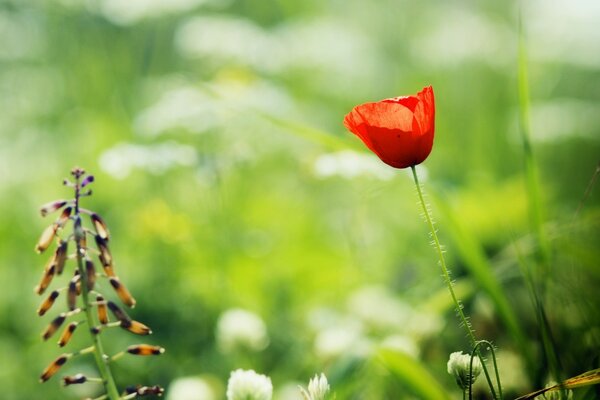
x: 446, y: 274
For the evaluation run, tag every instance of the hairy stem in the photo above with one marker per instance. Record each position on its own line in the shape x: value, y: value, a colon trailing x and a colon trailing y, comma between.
x: 112, y: 392
x: 448, y: 280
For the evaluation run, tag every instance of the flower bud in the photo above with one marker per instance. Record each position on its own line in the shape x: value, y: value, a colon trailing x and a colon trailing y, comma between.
x: 46, y: 304
x: 105, y: 255
x: 102, y: 313
x: 79, y: 233
x: 64, y: 217
x: 74, y: 380
x: 87, y: 180
x: 122, y: 292
x: 72, y: 293
x: 60, y: 256
x: 144, y: 390
x: 136, y: 327
x: 54, y: 367
x: 46, y: 238
x: 46, y: 279
x: 100, y: 226
x: 67, y: 334
x: 90, y: 274
x: 119, y: 314
x: 52, y: 206
x: 54, y: 326
x: 459, y: 366
x: 318, y: 387
x: 145, y: 350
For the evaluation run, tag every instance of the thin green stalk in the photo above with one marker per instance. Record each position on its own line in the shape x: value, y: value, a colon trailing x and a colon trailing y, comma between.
x: 112, y: 392
x: 448, y: 280
x: 535, y: 209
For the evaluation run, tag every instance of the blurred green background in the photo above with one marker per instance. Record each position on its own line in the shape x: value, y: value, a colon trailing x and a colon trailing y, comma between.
x: 214, y: 130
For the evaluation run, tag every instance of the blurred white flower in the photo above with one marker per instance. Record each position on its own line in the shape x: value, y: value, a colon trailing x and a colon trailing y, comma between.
x: 224, y: 39
x: 190, y: 388
x: 551, y: 35
x: 184, y: 107
x: 351, y: 164
x: 121, y: 159
x: 237, y: 328
x: 379, y: 308
x: 318, y: 387
x: 346, y: 339
x: 217, y: 105
x: 462, y: 35
x: 459, y: 366
x: 248, y: 385
x: 131, y: 11
x: 401, y: 343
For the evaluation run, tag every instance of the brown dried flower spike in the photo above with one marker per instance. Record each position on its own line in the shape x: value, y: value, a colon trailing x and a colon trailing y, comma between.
x: 84, y: 301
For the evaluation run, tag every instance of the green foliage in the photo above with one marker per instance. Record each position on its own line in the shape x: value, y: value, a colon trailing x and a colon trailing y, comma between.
x: 215, y: 135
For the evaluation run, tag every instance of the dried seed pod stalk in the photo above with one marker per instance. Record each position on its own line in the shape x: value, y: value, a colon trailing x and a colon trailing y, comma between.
x: 83, y: 295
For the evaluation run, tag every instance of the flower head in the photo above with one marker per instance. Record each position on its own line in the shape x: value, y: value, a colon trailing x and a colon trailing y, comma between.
x: 248, y: 385
x: 459, y: 365
x: 318, y: 387
x: 243, y: 329
x: 399, y: 130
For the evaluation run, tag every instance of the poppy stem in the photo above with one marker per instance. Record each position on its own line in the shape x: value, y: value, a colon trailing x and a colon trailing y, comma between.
x: 445, y: 272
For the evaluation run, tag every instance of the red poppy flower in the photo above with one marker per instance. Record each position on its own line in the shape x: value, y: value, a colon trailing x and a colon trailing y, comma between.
x: 398, y: 130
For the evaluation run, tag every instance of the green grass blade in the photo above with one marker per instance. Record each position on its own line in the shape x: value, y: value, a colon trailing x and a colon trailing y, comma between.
x: 413, y: 374
x: 472, y: 254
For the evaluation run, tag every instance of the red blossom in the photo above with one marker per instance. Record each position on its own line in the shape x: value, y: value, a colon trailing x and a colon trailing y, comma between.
x: 399, y: 130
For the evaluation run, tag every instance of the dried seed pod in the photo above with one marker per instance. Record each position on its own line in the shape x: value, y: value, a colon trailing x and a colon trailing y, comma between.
x: 52, y: 206
x: 72, y: 293
x: 46, y: 238
x: 136, y: 327
x: 54, y: 326
x: 74, y: 380
x: 67, y: 334
x: 100, y: 226
x: 64, y: 217
x: 60, y: 256
x: 46, y: 304
x: 102, y: 245
x: 119, y: 314
x: 109, y: 269
x: 122, y: 291
x: 90, y: 274
x: 54, y: 367
x: 102, y: 312
x: 46, y: 279
x: 144, y: 390
x: 145, y: 350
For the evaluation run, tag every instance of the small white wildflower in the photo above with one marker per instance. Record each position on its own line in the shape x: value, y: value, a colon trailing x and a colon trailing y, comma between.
x: 248, y: 385
x: 318, y: 387
x: 459, y: 365
x: 239, y: 328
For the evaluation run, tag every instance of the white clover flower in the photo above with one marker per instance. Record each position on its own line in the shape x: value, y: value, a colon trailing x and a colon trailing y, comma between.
x: 459, y: 365
x: 190, y: 388
x: 240, y: 328
x: 248, y: 385
x: 318, y: 387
